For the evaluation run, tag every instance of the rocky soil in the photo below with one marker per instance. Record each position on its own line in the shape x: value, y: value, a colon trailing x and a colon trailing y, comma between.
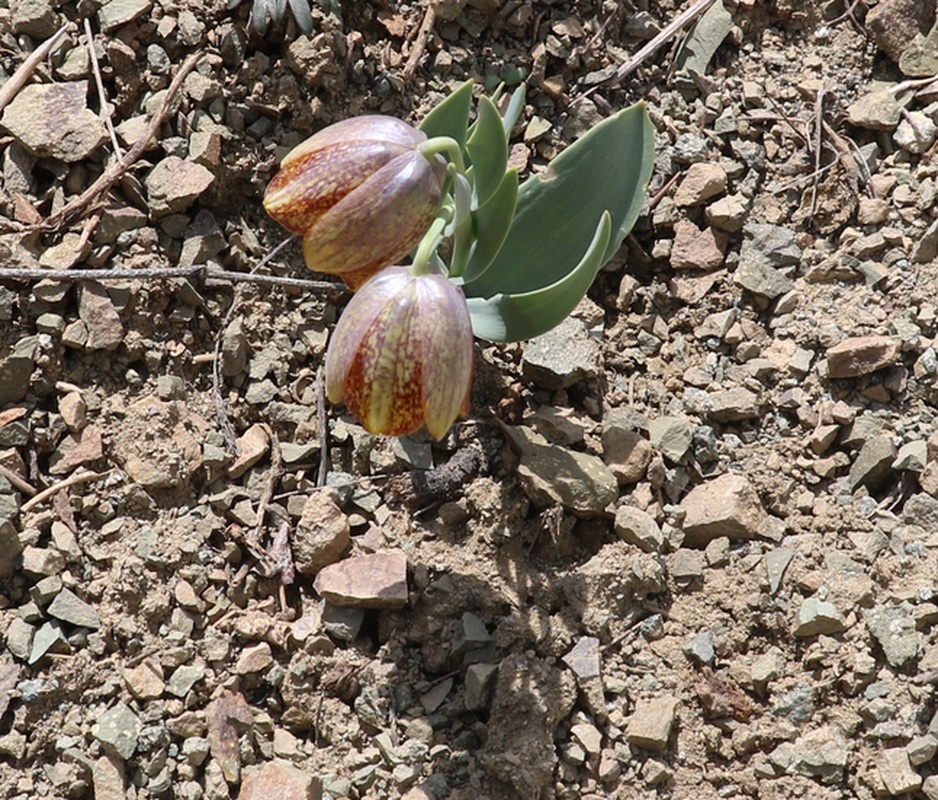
x: 683, y: 546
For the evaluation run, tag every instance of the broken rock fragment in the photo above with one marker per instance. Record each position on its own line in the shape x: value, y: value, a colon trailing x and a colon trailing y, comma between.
x: 175, y: 183
x: 322, y: 534
x: 376, y: 580
x: 861, y: 355
x: 726, y: 506
x: 53, y: 120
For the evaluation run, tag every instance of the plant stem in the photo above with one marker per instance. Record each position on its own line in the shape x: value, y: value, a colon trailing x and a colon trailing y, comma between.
x: 444, y: 145
x: 427, y: 247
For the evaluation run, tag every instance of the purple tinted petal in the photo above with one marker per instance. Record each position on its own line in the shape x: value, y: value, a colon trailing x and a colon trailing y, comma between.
x: 445, y: 333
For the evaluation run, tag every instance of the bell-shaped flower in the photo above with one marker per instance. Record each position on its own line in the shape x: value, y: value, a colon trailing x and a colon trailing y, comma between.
x: 401, y: 354
x: 361, y: 194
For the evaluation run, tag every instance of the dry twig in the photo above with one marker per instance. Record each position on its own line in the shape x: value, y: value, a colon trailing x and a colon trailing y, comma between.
x: 667, y: 33
x: 208, y: 273
x: 16, y: 81
x: 420, y: 41
x: 102, y: 96
x: 323, y: 428
x: 20, y: 483
x: 81, y: 476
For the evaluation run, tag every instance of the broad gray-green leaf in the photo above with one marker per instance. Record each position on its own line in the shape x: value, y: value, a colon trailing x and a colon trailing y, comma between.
x: 492, y: 222
x: 515, y: 317
x: 605, y: 170
x: 488, y: 150
x: 451, y: 116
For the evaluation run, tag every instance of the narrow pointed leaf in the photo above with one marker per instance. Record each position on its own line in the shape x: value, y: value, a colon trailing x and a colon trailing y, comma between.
x: 450, y: 117
x: 488, y: 149
x: 605, y: 170
x: 515, y: 317
x: 515, y: 107
x: 492, y: 223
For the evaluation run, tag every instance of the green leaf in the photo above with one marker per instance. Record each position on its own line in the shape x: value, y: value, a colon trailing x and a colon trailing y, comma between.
x: 605, y: 170
x: 451, y: 116
x: 488, y: 150
x: 514, y: 317
x: 515, y: 107
x: 492, y: 222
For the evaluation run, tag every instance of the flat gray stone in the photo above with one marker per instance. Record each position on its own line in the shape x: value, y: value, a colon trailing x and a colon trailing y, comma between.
x: 671, y: 435
x: 115, y: 13
x: 873, y: 464
x: 551, y: 474
x: 15, y: 369
x: 118, y: 730
x: 701, y: 648
x: 10, y: 545
x: 776, y: 562
x: 761, y: 279
x: 70, y: 608
x: 480, y: 679
x: 46, y: 637
x: 562, y: 357
x: 817, y: 617
x: 893, y: 627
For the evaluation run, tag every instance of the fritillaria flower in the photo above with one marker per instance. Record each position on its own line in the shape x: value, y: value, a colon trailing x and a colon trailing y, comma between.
x: 361, y: 194
x: 401, y: 354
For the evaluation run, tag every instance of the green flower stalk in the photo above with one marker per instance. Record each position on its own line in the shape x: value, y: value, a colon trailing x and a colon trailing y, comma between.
x: 401, y: 354
x: 360, y: 192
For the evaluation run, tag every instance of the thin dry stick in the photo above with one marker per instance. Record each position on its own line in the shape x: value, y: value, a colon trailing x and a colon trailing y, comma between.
x: 24, y: 486
x: 273, y: 476
x: 18, y: 79
x: 113, y: 173
x: 819, y: 132
x: 102, y: 96
x: 72, y: 480
x: 667, y: 33
x: 158, y: 273
x: 912, y: 83
x: 323, y: 426
x: 420, y: 42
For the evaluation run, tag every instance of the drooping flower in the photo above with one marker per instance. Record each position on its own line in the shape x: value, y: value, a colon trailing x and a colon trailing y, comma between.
x: 401, y: 354
x: 361, y: 194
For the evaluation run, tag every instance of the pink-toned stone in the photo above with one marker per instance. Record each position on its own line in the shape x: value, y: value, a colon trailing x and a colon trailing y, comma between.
x: 322, y: 534
x: 377, y: 580
x: 861, y: 355
x: 726, y: 506
x: 281, y: 780
x: 700, y: 183
x: 77, y: 449
x: 694, y: 248
x: 252, y: 446
x: 105, y: 330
